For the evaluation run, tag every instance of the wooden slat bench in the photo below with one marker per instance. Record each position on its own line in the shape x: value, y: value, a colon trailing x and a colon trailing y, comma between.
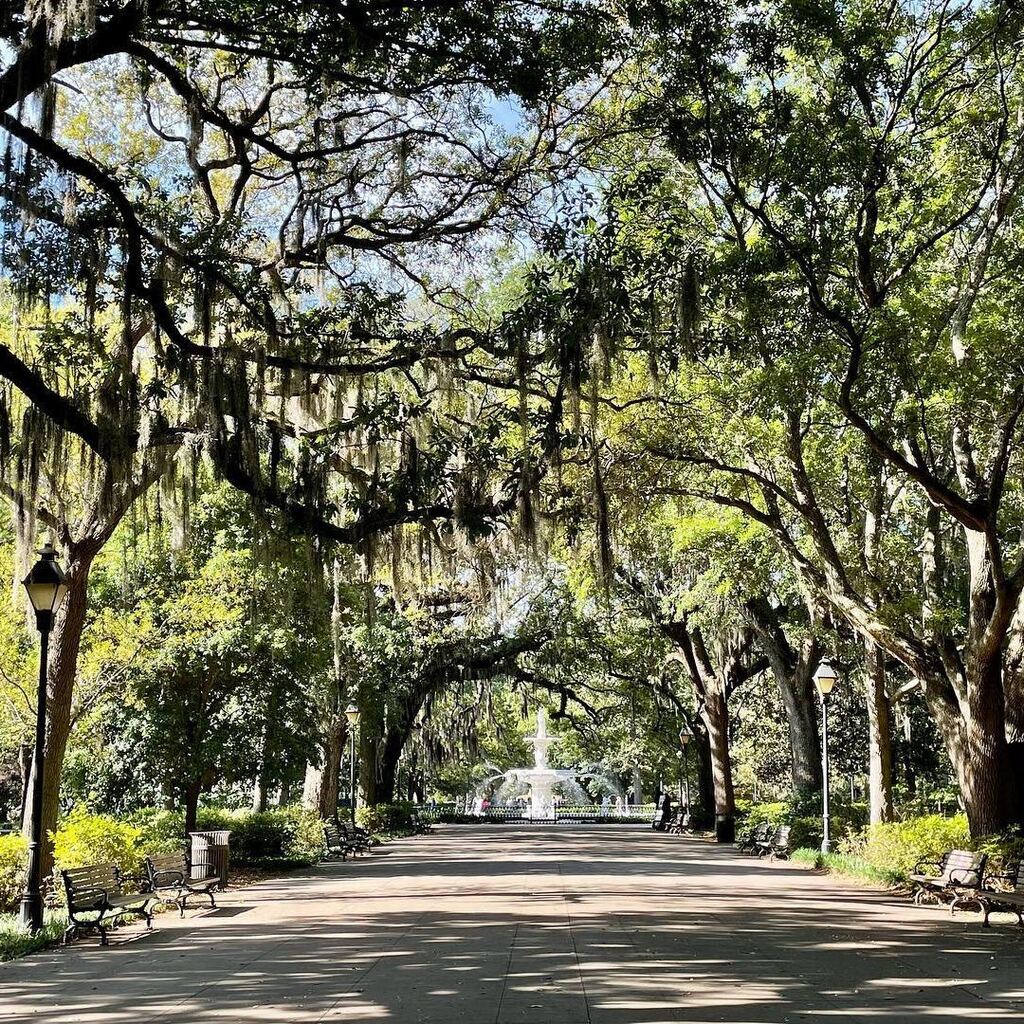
x: 777, y: 846
x: 170, y: 881
x: 98, y: 890
x: 337, y: 845
x: 358, y: 839
x: 750, y: 842
x: 958, y: 878
x: 1009, y: 899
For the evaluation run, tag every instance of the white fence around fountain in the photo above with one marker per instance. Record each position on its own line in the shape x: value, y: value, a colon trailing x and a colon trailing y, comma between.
x: 512, y: 814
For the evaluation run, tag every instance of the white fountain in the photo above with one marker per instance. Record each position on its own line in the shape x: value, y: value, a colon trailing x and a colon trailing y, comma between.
x: 540, y: 778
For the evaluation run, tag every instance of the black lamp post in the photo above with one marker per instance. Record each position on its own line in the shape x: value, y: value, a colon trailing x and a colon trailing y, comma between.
x: 46, y: 585
x: 352, y: 714
x: 824, y: 679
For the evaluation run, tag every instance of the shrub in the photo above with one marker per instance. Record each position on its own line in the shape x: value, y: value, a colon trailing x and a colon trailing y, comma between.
x: 897, y: 846
x: 804, y: 819
x: 383, y: 819
x: 307, y: 842
x: 163, y: 831
x: 289, y: 836
x: 84, y: 838
x: 13, y: 854
x: 844, y: 864
x: 775, y: 814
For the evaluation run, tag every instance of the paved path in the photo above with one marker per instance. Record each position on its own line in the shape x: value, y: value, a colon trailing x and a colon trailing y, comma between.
x: 502, y: 925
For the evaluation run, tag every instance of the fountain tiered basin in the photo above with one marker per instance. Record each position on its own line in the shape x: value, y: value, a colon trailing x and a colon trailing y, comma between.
x: 541, y: 779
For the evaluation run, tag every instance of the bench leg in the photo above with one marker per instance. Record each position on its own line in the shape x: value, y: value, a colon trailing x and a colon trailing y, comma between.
x: 103, y: 934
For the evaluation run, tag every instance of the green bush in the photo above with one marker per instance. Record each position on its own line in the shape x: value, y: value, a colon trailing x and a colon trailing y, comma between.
x: 804, y: 819
x: 13, y: 854
x: 897, y: 846
x: 844, y: 864
x: 288, y: 836
x: 386, y: 819
x: 163, y: 831
x: 85, y: 838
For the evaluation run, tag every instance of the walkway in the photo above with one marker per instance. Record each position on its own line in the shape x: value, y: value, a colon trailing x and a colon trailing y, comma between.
x: 495, y: 925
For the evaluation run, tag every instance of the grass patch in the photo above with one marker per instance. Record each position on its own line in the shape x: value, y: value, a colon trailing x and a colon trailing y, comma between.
x: 847, y: 864
x: 16, y: 941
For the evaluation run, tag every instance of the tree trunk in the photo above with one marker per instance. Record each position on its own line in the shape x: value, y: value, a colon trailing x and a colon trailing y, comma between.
x: 64, y: 646
x: 704, y: 776
x: 259, y: 794
x: 984, y: 769
x: 190, y: 799
x: 716, y: 719
x: 322, y: 781
x: 368, y: 777
x: 793, y: 670
x: 879, y: 735
x: 380, y: 772
x: 798, y: 697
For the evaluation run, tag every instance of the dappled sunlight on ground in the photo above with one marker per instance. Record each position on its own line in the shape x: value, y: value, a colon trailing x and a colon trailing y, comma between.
x: 501, y: 924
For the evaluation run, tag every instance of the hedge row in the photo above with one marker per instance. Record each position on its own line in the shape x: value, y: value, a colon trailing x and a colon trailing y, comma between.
x: 290, y: 837
x: 884, y: 853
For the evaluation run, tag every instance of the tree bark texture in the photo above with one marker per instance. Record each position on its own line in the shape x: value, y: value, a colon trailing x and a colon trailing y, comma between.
x: 879, y: 735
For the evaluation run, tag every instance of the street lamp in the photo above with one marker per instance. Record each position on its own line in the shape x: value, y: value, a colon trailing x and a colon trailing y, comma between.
x: 46, y: 586
x: 824, y: 680
x: 352, y: 714
x: 684, y: 744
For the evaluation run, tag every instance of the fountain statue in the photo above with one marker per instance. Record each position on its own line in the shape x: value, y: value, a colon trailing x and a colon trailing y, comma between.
x: 540, y: 778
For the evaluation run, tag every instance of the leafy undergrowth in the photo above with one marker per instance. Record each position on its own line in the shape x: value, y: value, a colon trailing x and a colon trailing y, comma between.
x: 848, y: 864
x: 16, y: 941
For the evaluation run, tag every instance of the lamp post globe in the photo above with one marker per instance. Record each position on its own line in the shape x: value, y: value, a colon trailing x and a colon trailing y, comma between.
x: 46, y: 586
x: 824, y: 679
x: 352, y: 716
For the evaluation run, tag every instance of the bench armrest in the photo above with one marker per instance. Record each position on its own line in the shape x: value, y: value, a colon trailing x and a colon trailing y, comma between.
x: 167, y: 878
x: 97, y: 899
x: 965, y: 876
x: 922, y: 864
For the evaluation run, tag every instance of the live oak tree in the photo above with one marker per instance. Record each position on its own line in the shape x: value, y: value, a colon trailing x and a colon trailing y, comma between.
x: 851, y: 175
x: 216, y: 214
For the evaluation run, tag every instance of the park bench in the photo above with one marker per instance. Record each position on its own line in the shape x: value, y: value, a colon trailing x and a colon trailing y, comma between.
x: 957, y: 877
x: 337, y: 844
x: 1009, y: 899
x: 98, y: 890
x: 169, y: 880
x: 777, y: 846
x: 681, y: 823
x: 359, y: 840
x: 752, y: 840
